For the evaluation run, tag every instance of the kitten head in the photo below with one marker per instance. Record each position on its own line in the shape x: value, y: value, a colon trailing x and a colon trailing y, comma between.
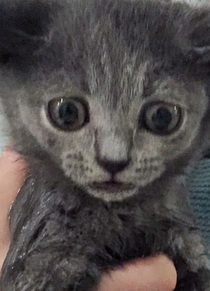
x: 113, y: 91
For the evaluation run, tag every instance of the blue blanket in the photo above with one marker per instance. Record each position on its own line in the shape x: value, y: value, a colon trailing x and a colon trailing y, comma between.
x: 199, y: 183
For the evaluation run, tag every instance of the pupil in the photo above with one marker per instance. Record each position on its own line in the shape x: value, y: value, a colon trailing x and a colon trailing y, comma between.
x: 162, y: 118
x: 68, y: 113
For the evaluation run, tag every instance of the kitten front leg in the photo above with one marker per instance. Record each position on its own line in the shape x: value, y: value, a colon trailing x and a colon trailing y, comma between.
x: 49, y: 272
x: 193, y: 267
x: 42, y: 257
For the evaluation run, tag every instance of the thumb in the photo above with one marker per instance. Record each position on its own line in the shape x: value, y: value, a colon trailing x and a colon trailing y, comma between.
x: 12, y: 172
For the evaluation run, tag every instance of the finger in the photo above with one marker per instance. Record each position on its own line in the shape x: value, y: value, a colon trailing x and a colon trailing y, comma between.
x: 152, y: 274
x: 12, y: 172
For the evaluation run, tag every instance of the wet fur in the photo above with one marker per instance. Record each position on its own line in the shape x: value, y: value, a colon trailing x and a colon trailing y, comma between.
x: 117, y: 54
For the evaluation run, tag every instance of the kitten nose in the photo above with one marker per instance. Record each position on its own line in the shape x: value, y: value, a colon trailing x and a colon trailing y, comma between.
x: 112, y: 166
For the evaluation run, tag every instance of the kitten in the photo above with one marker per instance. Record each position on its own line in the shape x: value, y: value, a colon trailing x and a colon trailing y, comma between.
x: 108, y: 103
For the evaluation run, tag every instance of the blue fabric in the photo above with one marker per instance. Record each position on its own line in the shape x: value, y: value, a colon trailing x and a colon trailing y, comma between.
x: 199, y: 183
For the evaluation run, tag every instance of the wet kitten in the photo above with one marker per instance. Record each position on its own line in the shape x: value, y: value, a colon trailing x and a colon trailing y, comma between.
x: 108, y: 102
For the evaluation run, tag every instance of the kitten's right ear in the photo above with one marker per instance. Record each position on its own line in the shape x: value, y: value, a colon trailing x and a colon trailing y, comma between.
x: 198, y: 36
x: 23, y: 25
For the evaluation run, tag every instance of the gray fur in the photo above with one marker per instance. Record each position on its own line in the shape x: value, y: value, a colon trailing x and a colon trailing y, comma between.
x: 118, y: 56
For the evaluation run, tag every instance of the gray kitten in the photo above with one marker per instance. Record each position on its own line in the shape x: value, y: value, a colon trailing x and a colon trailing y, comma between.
x: 108, y: 102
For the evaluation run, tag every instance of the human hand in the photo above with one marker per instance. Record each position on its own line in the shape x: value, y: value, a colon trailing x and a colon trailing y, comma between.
x: 152, y: 274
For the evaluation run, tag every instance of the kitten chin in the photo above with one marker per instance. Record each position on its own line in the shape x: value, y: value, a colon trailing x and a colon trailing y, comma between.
x: 112, y: 192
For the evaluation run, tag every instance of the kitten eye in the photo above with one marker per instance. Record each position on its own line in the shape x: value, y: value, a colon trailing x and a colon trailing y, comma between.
x: 68, y: 113
x: 161, y: 118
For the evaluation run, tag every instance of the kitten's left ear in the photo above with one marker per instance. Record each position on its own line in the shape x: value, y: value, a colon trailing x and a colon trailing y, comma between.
x: 198, y: 36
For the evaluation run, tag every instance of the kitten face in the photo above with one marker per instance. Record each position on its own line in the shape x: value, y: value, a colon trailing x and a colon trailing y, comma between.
x: 113, y: 153
x: 95, y: 104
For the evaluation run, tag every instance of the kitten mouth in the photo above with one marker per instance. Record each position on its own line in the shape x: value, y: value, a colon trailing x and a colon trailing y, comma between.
x: 112, y: 186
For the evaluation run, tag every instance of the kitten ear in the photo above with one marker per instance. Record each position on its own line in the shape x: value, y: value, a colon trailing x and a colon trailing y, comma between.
x: 199, y: 36
x: 23, y: 25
